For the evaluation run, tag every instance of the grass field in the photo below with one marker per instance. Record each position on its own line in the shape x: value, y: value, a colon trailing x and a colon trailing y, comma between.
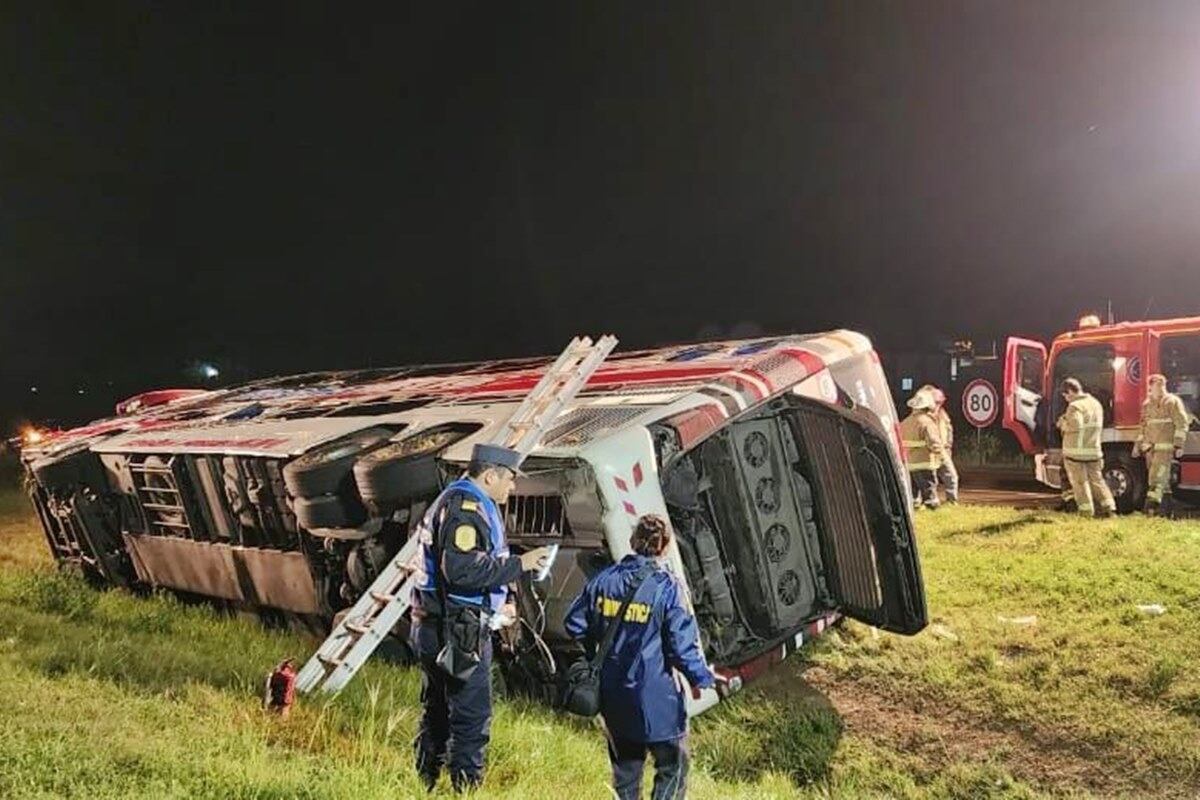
x: 1039, y: 677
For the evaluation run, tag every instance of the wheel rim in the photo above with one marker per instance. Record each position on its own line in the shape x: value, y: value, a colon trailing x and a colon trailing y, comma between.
x: 1118, y: 481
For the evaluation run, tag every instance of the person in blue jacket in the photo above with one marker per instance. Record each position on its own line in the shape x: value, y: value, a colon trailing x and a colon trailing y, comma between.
x: 466, y: 569
x: 640, y: 699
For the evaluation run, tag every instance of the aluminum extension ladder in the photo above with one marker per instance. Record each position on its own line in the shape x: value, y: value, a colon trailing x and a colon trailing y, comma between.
x: 370, y: 619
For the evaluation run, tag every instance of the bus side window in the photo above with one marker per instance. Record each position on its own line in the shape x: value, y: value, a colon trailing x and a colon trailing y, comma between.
x: 1179, y: 357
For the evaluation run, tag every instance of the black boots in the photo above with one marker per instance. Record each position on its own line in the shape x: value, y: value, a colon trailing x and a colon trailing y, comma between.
x: 1167, y: 507
x: 1163, y: 508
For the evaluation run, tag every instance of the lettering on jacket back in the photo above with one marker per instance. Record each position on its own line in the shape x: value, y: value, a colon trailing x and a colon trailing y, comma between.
x: 608, y: 607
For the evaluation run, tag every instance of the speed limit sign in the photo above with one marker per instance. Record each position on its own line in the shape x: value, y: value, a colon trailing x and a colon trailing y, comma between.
x: 980, y: 403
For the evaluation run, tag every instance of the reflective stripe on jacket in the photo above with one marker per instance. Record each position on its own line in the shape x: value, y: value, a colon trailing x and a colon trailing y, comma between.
x: 477, y: 568
x: 922, y: 441
x: 1081, y: 425
x: 1164, y: 423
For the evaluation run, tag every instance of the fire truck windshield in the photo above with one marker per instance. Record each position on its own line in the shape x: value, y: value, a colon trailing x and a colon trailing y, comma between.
x: 1179, y: 358
x: 1090, y: 364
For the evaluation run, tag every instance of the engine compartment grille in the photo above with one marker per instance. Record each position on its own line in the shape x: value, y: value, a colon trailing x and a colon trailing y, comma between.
x: 536, y: 516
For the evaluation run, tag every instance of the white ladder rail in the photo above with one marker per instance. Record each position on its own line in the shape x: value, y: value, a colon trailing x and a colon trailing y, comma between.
x: 559, y: 386
x: 343, y: 644
x: 373, y: 616
x: 518, y: 420
x: 567, y: 392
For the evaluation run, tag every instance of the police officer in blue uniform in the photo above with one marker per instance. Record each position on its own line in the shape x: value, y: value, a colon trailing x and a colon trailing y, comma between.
x: 466, y: 572
x: 640, y: 700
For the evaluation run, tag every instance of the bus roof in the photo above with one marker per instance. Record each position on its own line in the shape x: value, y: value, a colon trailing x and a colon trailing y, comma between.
x: 287, y: 415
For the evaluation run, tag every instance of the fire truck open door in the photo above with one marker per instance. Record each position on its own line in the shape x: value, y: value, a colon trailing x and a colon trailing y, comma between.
x: 1024, y: 387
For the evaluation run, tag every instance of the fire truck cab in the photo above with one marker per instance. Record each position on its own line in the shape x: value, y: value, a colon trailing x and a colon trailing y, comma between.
x: 1112, y: 362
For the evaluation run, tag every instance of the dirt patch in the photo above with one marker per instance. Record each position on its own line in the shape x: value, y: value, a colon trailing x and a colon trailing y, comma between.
x: 1014, y: 652
x: 941, y: 735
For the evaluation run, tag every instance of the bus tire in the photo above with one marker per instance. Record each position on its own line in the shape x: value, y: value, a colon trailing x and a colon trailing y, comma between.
x: 398, y: 473
x: 328, y: 511
x: 327, y: 468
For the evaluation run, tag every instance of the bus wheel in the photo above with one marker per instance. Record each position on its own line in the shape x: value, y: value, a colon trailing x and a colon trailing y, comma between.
x: 1126, y: 480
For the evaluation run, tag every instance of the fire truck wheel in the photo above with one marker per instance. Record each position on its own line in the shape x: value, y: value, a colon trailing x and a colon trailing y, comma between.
x: 328, y: 511
x: 327, y: 469
x: 1126, y: 480
x: 394, y: 475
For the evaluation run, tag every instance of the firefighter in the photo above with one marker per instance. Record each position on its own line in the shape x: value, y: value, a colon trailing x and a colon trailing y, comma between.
x: 640, y: 700
x: 466, y: 568
x: 923, y: 444
x: 1083, y: 457
x: 1164, y: 428
x: 946, y: 473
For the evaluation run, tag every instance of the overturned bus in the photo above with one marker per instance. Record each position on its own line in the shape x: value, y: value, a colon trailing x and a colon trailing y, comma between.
x: 776, y: 460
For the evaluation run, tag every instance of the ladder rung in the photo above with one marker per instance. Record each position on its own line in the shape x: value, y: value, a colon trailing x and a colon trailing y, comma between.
x: 150, y: 470
x: 162, y: 507
x: 354, y: 627
x: 382, y: 597
x: 331, y: 663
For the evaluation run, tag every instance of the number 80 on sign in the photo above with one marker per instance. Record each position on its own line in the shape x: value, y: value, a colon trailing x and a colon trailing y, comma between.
x: 980, y: 403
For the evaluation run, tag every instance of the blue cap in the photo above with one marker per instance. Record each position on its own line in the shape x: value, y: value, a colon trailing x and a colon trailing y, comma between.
x: 493, y: 455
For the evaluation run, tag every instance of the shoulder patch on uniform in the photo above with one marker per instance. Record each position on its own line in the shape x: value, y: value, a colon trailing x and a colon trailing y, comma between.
x: 465, y: 537
x: 469, y: 505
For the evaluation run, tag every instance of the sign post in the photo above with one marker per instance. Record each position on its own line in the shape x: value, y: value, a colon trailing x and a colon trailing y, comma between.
x: 980, y: 405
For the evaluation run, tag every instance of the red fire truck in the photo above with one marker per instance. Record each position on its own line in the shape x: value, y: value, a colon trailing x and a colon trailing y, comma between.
x: 1112, y: 361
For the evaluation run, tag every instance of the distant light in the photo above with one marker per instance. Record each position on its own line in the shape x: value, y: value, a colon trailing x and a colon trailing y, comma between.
x: 906, y: 384
x: 33, y: 389
x: 79, y: 392
x: 209, y: 371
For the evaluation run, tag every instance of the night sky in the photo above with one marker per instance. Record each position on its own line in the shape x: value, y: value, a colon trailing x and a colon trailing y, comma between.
x: 277, y: 190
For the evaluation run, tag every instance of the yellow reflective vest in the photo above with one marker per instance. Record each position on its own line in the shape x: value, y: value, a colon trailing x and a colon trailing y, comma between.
x: 1081, y: 425
x: 1164, y: 423
x: 922, y: 441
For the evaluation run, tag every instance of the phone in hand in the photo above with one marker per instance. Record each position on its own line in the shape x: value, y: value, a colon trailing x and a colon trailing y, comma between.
x: 545, y: 571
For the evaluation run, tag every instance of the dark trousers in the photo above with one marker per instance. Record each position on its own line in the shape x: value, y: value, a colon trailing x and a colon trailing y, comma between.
x: 456, y: 722
x: 947, y: 478
x: 629, y: 761
x: 924, y: 484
